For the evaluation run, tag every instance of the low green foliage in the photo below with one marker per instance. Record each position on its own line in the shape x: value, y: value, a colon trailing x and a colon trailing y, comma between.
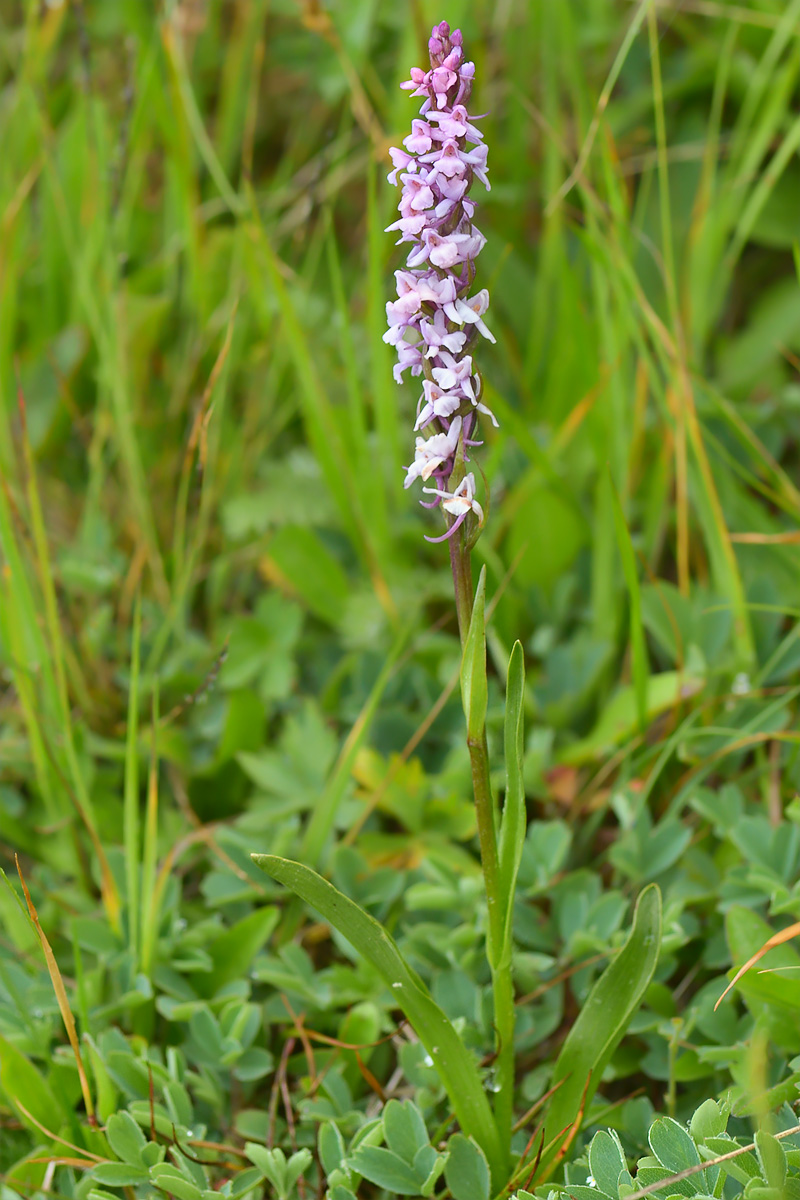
x: 767, y: 1167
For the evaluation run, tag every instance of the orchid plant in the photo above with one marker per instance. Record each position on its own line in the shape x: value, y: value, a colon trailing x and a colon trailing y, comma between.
x: 435, y: 325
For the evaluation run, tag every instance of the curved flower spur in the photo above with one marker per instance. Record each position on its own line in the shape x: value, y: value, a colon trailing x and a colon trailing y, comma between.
x: 434, y: 322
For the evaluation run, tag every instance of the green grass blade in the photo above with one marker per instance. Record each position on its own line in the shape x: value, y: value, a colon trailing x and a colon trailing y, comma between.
x: 99, y: 304
x: 721, y: 552
x: 602, y: 103
x: 150, y: 847
x: 324, y: 815
x: 370, y: 482
x: 639, y: 659
x: 131, y: 799
x: 30, y: 662
x: 194, y: 120
x: 761, y: 192
x: 320, y: 419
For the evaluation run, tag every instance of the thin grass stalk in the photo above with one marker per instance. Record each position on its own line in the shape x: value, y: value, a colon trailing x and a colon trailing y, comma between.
x: 61, y: 997
x: 150, y: 913
x: 131, y: 797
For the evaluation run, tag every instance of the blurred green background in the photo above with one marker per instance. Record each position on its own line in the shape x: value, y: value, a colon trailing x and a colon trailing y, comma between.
x: 193, y: 281
x: 211, y: 576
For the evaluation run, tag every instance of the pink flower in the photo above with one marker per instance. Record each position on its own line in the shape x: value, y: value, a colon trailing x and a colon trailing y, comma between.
x: 417, y: 194
x: 455, y: 123
x: 447, y: 160
x: 413, y: 290
x: 453, y: 191
x: 436, y: 335
x: 419, y: 141
x: 409, y: 226
x: 460, y: 503
x: 441, y: 80
x: 417, y: 84
x: 477, y: 160
x: 438, y: 403
x: 455, y: 374
x: 401, y: 161
x: 446, y: 251
x: 399, y: 322
x: 471, y: 312
x: 462, y: 500
x: 432, y: 452
x: 408, y: 355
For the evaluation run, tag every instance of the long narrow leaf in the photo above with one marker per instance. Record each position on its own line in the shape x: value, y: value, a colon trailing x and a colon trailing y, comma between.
x: 474, y: 687
x: 604, y: 1018
x: 324, y: 814
x: 61, y: 997
x: 513, y: 822
x: 455, y: 1065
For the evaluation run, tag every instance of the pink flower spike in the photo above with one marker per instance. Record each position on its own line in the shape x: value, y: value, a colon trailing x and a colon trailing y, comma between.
x: 430, y: 322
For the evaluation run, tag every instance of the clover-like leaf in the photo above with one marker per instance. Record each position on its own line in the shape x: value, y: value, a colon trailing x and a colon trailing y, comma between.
x: 386, y: 1169
x: 466, y: 1170
x: 125, y: 1138
x: 404, y: 1129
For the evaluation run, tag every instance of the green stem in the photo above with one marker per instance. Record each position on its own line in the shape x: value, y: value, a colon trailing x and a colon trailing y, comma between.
x: 499, y: 956
x: 462, y: 583
x: 484, y: 811
x: 504, y: 1019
